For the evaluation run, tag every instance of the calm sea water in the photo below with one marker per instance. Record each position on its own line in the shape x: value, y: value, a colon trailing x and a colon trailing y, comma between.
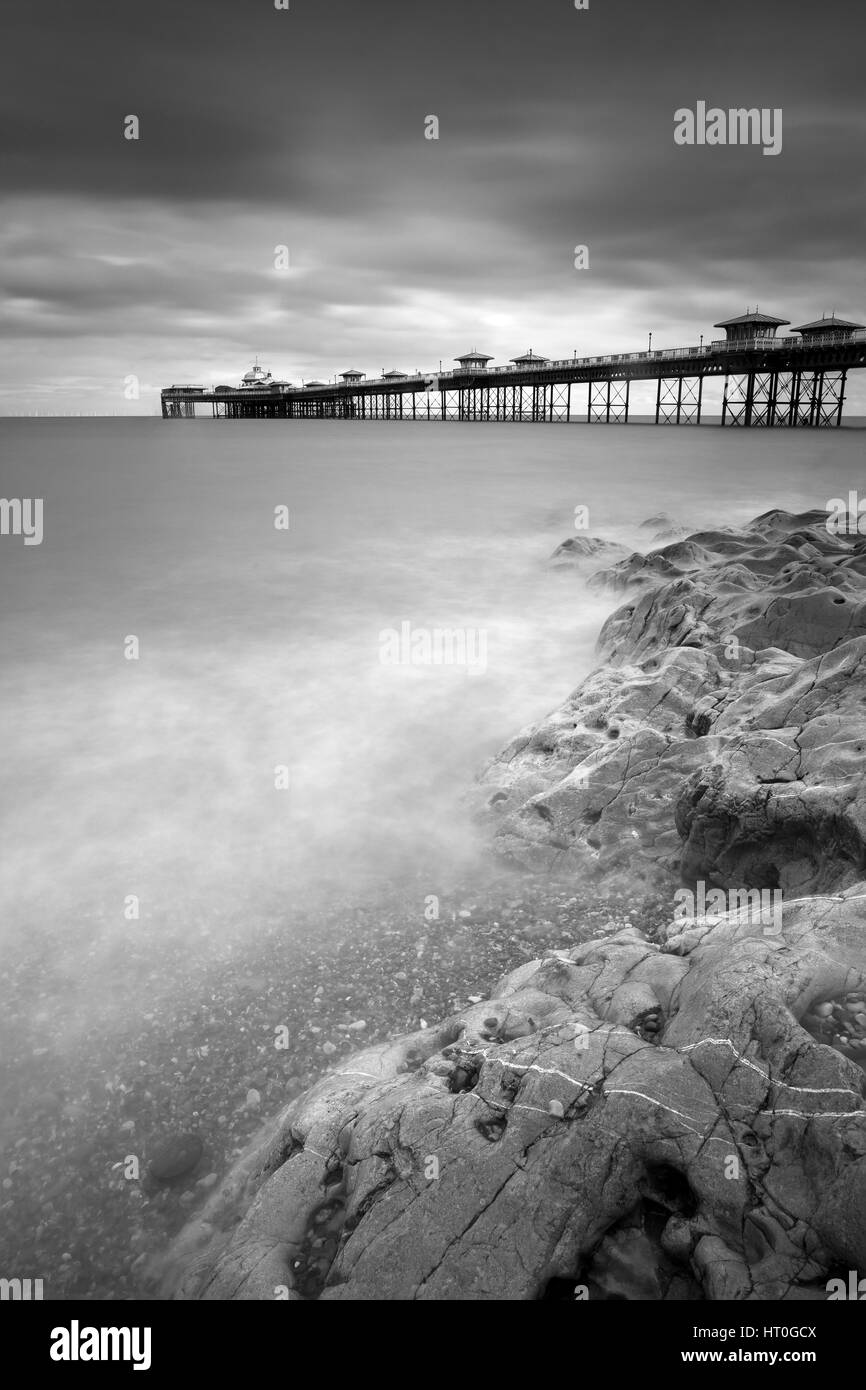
x: 260, y: 648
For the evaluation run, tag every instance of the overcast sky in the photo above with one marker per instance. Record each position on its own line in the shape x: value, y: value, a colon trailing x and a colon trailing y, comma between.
x: 306, y: 128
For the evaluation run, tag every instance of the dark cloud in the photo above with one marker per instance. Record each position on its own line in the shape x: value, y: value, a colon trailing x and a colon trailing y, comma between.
x: 305, y: 128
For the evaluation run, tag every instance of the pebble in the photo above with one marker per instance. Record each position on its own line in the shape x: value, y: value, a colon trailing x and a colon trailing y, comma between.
x: 358, y: 1026
x: 175, y: 1156
x: 329, y: 1049
x: 253, y: 1100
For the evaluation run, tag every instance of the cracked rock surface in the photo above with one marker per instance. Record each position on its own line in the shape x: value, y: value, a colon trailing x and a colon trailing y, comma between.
x: 724, y: 735
x: 544, y: 1140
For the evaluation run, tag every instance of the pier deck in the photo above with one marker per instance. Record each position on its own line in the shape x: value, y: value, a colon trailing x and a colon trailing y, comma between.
x: 787, y: 381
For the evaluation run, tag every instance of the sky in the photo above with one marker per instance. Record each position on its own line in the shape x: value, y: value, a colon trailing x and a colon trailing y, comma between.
x: 126, y: 265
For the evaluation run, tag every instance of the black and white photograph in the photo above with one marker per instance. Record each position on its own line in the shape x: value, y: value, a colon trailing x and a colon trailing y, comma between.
x: 433, y: 686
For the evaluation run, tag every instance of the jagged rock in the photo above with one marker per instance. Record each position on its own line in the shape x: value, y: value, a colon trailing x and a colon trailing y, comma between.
x: 724, y: 1159
x: 639, y: 570
x: 578, y: 549
x: 726, y: 715
x: 784, y: 803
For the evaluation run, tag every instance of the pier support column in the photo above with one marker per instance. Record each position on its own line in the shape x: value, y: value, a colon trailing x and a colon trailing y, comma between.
x: 829, y: 397
x: 679, y: 400
x: 737, y: 399
x: 608, y: 402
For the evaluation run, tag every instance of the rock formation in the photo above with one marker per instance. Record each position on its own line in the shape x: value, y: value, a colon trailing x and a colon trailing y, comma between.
x: 626, y: 1119
x: 668, y: 1116
x: 730, y: 695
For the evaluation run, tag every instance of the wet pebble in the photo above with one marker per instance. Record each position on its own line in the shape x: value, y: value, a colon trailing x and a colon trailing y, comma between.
x: 173, y: 1157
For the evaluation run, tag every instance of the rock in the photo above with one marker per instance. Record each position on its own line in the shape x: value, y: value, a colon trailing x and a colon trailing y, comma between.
x: 723, y: 737
x: 329, y: 1049
x: 175, y: 1156
x: 253, y: 1100
x: 358, y: 1026
x: 577, y: 550
x: 630, y: 1190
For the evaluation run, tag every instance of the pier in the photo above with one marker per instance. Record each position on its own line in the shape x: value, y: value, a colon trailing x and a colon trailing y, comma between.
x: 798, y: 379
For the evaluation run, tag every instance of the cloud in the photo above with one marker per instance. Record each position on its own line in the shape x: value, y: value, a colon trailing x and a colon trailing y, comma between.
x: 305, y: 128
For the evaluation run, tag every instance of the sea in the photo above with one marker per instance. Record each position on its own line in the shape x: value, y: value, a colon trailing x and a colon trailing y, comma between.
x: 212, y: 713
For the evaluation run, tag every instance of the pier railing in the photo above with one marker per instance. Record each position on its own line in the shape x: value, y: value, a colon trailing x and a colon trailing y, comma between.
x: 789, y: 343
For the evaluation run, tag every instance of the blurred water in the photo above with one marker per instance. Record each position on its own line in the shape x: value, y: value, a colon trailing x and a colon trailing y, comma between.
x: 260, y: 647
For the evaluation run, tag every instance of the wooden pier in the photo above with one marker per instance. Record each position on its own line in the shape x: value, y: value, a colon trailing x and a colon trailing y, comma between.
x: 795, y: 380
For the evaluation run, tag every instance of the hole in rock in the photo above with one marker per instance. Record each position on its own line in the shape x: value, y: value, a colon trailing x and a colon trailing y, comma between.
x: 668, y: 1187
x: 492, y: 1130
x: 319, y: 1248
x: 698, y: 723
x: 629, y: 1264
x: 463, y: 1078
x: 823, y: 854
x: 334, y: 1177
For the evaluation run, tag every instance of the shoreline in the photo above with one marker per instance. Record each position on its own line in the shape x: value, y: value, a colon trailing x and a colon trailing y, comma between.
x: 712, y: 743
x: 69, y: 1195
